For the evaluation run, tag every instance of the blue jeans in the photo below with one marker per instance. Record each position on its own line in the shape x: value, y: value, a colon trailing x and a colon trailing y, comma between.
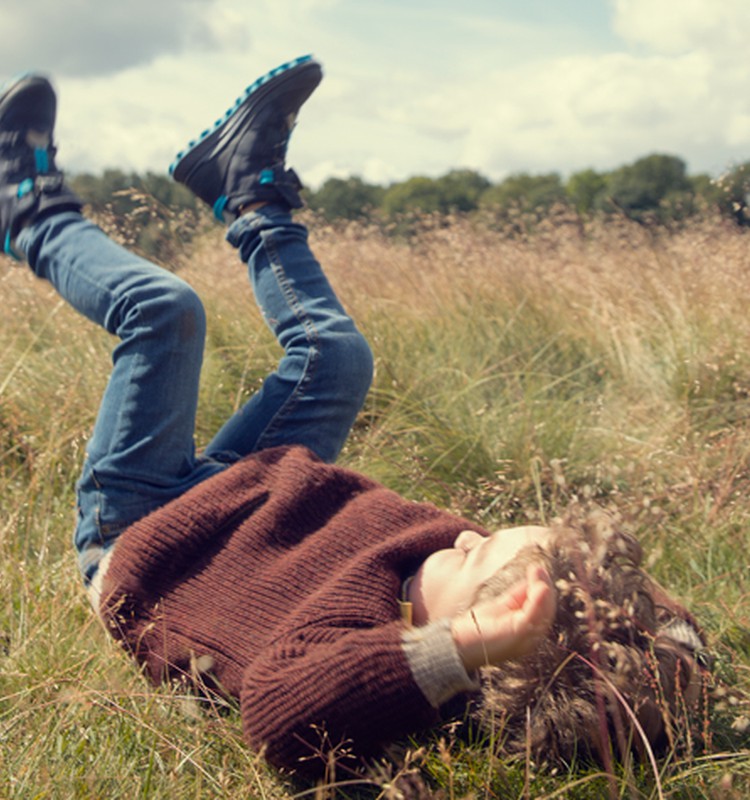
x: 141, y: 453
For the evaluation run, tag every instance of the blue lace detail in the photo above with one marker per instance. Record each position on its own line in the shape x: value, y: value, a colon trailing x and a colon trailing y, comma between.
x: 42, y: 159
x: 25, y: 187
x: 219, y: 207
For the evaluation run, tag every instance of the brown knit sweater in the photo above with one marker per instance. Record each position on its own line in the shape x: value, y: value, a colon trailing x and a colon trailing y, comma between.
x: 281, y: 576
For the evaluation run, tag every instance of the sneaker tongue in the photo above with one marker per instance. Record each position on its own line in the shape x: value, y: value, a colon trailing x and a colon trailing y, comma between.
x: 38, y: 139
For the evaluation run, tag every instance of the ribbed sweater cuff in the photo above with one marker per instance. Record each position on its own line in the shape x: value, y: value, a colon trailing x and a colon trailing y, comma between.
x: 435, y: 664
x: 94, y: 589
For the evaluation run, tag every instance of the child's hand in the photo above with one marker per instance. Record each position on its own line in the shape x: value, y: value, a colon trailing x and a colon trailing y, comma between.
x: 508, y: 626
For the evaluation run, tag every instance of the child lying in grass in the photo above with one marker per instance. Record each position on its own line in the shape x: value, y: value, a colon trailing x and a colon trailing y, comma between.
x: 341, y: 615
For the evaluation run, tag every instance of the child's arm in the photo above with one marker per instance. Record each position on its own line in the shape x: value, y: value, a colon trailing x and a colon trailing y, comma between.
x: 373, y: 685
x: 332, y: 686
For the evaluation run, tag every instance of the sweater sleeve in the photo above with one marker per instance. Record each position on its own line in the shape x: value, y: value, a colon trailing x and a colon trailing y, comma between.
x: 435, y: 663
x: 332, y: 689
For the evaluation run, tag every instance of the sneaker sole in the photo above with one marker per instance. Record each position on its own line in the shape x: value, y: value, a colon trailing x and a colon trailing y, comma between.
x: 193, y: 153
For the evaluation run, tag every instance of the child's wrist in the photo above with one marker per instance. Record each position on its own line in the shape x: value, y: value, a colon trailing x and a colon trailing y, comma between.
x: 470, y: 646
x: 435, y: 662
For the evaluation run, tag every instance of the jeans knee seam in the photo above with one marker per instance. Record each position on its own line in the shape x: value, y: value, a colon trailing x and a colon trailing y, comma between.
x: 312, y: 336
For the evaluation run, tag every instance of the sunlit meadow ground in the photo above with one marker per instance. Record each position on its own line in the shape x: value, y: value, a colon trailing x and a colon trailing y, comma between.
x: 513, y: 376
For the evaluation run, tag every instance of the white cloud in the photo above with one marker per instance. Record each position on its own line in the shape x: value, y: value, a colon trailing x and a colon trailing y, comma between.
x: 405, y: 92
x: 738, y: 129
x: 578, y: 112
x: 92, y: 38
x: 674, y: 26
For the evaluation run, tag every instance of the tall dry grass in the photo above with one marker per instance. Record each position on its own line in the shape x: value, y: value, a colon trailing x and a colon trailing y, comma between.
x: 514, y: 375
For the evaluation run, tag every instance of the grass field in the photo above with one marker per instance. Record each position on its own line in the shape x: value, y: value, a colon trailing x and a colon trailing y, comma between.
x: 595, y: 363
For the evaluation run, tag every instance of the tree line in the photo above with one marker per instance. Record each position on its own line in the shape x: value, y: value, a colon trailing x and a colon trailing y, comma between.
x: 656, y: 188
x: 151, y: 210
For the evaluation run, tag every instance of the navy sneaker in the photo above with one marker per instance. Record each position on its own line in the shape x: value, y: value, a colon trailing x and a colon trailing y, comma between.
x: 30, y: 183
x: 241, y: 159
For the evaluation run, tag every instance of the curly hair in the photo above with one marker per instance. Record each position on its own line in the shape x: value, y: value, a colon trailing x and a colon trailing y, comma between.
x: 622, y: 669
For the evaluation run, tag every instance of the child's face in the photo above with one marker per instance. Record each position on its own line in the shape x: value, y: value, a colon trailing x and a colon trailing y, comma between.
x: 448, y: 579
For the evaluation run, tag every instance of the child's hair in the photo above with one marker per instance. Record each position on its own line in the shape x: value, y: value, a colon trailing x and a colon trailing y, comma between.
x: 623, y: 668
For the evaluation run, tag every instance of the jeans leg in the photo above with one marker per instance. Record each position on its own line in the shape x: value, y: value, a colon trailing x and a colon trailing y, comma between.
x: 321, y: 382
x: 141, y: 452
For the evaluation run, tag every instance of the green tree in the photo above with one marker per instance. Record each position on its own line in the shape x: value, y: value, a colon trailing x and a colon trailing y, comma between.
x: 457, y: 190
x: 418, y: 194
x: 642, y: 188
x: 151, y: 213
x: 706, y: 192
x: 119, y: 191
x: 105, y: 190
x: 345, y: 198
x: 732, y: 194
x: 166, y: 191
x: 460, y: 189
x: 584, y: 190
x: 525, y: 192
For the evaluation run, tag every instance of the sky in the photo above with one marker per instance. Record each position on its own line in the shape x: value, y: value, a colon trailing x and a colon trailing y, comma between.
x: 414, y: 87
